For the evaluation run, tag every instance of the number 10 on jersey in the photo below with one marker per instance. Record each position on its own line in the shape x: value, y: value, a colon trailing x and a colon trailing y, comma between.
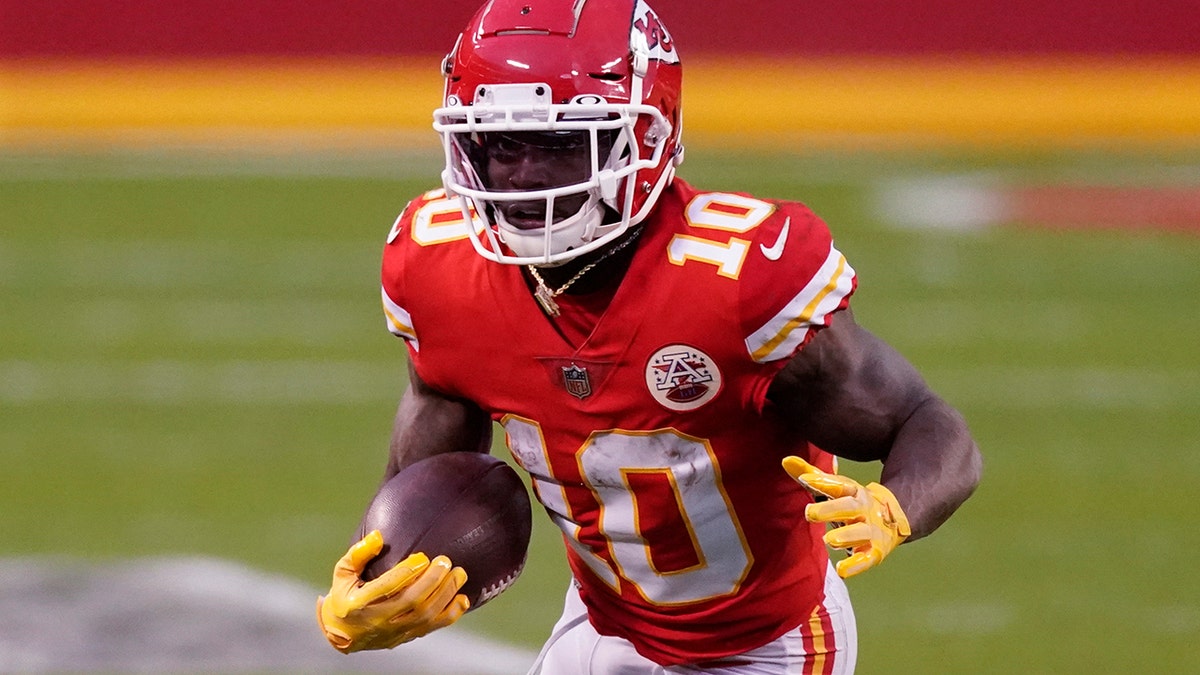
x: 654, y: 499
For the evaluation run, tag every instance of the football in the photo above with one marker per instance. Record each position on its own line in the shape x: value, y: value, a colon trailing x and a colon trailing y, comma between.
x: 469, y: 506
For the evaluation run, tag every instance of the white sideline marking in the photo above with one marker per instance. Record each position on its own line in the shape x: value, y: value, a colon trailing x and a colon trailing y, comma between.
x: 162, y: 264
x: 941, y: 202
x: 172, y: 382
x: 192, y: 615
x: 1017, y: 388
x: 394, y: 161
x: 980, y: 618
x: 1164, y: 197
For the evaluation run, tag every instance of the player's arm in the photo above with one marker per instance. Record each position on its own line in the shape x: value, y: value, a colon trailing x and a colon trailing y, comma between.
x: 429, y: 423
x: 417, y: 595
x: 856, y: 397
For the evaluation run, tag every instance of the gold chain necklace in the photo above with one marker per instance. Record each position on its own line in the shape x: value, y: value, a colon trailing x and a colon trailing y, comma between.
x: 545, y: 296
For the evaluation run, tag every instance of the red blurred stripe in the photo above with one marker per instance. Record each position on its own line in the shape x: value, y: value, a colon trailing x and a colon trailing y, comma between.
x: 210, y: 28
x: 1102, y: 206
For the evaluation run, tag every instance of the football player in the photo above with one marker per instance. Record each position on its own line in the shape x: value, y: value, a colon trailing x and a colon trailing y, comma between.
x: 676, y: 369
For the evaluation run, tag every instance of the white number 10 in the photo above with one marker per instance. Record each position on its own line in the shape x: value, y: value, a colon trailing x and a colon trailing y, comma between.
x: 664, y: 515
x: 723, y: 212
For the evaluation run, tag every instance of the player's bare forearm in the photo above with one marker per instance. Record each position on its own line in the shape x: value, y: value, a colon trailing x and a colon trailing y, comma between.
x: 854, y: 396
x: 933, y: 465
x: 428, y: 423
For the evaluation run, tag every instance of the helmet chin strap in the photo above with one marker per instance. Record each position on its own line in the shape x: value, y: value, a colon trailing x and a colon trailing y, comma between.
x: 575, y: 230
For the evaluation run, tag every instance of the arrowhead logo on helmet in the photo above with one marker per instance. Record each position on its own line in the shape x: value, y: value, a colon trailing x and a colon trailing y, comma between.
x: 658, y: 40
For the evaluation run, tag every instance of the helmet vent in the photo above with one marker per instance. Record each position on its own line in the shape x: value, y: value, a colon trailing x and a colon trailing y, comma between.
x: 607, y: 77
x: 524, y: 31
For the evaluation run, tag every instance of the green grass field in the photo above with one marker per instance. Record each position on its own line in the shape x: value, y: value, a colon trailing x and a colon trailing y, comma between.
x: 193, y: 360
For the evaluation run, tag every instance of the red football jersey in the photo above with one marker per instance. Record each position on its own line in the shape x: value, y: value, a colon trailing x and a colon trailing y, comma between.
x: 650, y: 443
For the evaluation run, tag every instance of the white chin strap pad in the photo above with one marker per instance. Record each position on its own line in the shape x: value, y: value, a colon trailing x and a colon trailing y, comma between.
x: 568, y: 233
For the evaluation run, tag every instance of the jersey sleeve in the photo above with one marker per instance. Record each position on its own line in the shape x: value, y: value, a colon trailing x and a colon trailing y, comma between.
x: 794, y: 281
x: 392, y: 288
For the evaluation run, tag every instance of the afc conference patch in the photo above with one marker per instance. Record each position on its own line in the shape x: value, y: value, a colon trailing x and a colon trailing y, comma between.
x: 682, y: 378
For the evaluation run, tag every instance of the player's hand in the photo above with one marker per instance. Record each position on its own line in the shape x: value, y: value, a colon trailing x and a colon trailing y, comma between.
x: 413, y: 598
x: 869, y: 520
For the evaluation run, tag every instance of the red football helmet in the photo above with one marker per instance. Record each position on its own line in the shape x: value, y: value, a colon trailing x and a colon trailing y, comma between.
x: 600, y: 77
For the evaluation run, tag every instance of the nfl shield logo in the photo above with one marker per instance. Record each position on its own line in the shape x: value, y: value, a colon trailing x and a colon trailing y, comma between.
x: 575, y: 379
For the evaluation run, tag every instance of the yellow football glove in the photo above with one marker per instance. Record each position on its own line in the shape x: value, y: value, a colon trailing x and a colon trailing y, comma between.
x: 869, y: 520
x: 413, y: 598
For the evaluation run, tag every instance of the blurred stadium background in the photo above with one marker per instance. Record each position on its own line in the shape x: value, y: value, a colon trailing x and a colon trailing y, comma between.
x: 196, y: 386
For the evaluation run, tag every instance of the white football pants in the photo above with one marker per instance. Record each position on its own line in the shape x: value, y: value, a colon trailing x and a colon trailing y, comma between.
x: 575, y: 648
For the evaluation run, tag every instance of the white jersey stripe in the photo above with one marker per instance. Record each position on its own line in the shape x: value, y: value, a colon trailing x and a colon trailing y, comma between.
x: 398, y: 320
x: 785, y: 331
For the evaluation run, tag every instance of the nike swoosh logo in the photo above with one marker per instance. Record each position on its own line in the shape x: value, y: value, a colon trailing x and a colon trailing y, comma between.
x: 776, y: 249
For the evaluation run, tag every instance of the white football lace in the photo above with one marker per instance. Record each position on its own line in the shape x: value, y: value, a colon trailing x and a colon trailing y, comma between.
x: 499, y: 587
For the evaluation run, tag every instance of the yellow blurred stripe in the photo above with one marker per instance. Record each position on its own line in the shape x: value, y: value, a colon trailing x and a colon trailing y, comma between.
x: 221, y: 94
x: 967, y: 101
x: 749, y: 100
